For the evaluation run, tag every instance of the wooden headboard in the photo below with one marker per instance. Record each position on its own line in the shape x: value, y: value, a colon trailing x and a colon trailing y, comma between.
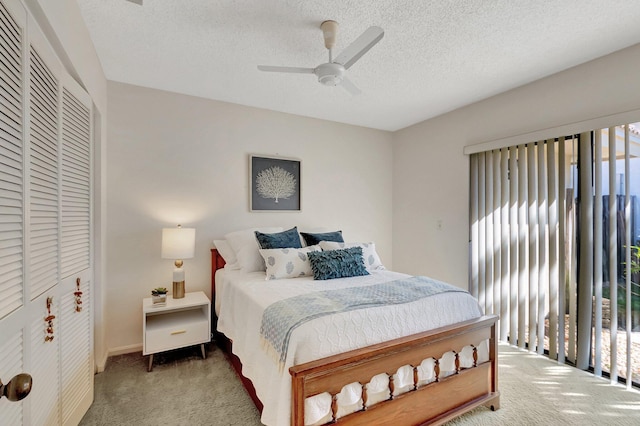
x: 217, y: 262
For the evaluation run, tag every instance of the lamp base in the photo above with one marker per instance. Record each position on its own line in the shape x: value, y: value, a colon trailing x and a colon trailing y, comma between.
x: 178, y: 289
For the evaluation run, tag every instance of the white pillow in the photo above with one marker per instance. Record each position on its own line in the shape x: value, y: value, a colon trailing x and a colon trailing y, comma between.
x: 288, y: 262
x: 245, y: 245
x: 227, y: 253
x: 371, y: 259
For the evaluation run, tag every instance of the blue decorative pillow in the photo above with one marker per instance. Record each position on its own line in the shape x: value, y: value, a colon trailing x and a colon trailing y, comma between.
x: 284, y: 239
x: 313, y: 239
x: 343, y: 263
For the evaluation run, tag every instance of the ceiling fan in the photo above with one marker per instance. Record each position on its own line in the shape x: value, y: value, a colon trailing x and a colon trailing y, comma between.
x: 333, y: 73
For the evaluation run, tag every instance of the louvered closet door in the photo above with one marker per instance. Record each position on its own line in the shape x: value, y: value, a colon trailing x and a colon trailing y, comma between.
x: 76, y: 315
x: 43, y: 227
x: 13, y: 315
x: 59, y: 230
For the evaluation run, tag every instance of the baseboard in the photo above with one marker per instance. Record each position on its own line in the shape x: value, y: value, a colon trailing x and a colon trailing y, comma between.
x: 101, y: 358
x: 121, y: 350
x: 101, y: 362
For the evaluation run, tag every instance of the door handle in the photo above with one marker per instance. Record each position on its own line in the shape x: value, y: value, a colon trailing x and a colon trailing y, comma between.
x: 17, y: 388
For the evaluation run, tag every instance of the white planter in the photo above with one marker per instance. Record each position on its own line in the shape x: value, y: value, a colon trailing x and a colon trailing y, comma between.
x: 159, y: 300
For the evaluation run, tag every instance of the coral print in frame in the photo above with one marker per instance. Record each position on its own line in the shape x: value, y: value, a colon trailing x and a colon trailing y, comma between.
x: 275, y: 184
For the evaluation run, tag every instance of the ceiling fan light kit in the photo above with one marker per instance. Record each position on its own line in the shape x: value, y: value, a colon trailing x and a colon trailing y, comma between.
x: 333, y: 73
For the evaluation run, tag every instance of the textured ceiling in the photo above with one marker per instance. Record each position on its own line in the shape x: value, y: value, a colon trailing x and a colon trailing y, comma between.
x: 435, y: 56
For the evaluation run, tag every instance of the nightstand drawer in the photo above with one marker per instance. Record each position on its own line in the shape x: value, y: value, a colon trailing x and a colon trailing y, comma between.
x: 175, y: 330
x: 178, y: 337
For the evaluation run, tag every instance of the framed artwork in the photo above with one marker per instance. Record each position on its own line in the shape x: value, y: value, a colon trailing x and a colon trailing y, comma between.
x: 274, y: 184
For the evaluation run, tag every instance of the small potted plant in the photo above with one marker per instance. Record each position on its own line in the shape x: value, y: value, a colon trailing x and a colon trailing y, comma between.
x: 159, y: 296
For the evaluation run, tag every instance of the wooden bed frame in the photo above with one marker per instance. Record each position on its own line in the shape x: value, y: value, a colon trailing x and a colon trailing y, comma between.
x: 433, y: 403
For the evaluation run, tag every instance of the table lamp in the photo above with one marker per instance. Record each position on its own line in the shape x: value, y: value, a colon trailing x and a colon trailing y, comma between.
x: 178, y: 244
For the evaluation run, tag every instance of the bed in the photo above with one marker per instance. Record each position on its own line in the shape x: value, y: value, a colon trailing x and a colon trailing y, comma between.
x: 370, y: 375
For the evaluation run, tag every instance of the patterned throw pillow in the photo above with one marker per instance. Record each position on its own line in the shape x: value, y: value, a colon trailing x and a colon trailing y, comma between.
x: 371, y: 259
x: 327, y: 265
x: 288, y: 262
x: 285, y: 239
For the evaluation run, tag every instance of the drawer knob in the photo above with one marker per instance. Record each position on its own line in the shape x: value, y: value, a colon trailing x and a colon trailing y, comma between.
x: 178, y: 332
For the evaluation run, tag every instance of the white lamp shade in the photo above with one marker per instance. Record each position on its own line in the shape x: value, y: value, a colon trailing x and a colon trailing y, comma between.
x: 178, y: 243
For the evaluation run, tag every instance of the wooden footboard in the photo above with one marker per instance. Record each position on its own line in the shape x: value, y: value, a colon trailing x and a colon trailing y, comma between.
x: 433, y: 403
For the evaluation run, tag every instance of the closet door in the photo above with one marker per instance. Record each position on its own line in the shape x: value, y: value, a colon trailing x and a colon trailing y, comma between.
x: 76, y: 319
x: 43, y: 228
x: 46, y: 323
x: 13, y: 314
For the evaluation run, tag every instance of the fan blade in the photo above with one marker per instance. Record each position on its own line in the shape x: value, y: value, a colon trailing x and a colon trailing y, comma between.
x: 350, y: 87
x: 297, y: 70
x: 360, y: 46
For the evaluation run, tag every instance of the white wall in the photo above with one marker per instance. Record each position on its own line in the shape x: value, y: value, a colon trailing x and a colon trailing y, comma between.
x: 431, y: 173
x: 180, y: 159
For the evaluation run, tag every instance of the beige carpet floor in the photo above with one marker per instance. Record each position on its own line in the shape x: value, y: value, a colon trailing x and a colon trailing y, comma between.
x: 184, y: 389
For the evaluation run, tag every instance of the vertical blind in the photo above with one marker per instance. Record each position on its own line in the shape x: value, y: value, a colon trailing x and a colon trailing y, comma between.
x: 538, y: 245
x: 516, y: 214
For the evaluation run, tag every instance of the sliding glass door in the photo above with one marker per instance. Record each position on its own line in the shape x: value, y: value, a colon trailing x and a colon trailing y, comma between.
x: 620, y: 218
x: 553, y: 223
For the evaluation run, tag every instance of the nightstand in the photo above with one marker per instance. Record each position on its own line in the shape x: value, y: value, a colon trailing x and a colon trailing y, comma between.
x: 179, y: 323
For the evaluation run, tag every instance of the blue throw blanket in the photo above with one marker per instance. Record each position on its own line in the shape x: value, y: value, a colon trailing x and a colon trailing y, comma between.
x: 282, y: 317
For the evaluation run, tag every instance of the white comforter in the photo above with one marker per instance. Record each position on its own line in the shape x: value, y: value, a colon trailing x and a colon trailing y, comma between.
x: 241, y: 299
